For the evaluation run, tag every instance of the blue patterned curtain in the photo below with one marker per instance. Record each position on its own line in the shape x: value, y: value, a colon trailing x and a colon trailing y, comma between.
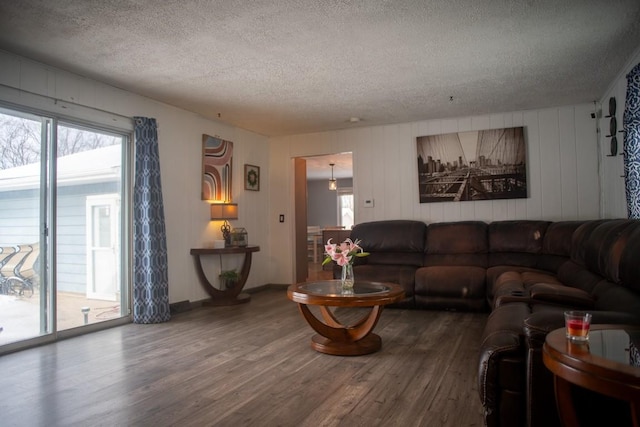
x: 150, y: 277
x: 631, y: 124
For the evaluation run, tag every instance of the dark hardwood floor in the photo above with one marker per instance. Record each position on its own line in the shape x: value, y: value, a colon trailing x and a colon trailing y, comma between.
x: 249, y: 365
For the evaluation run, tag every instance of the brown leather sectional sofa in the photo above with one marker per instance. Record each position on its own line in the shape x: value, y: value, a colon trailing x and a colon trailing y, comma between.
x: 526, y: 273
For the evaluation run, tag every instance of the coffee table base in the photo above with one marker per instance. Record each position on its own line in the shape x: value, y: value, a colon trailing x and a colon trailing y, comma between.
x: 367, y: 345
x: 341, y: 340
x: 355, y: 336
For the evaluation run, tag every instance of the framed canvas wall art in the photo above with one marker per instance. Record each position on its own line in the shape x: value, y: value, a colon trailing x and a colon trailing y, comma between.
x: 251, y: 177
x: 217, y: 156
x: 466, y: 166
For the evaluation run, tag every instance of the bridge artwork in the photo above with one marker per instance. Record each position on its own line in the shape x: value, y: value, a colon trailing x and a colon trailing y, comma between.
x: 480, y: 165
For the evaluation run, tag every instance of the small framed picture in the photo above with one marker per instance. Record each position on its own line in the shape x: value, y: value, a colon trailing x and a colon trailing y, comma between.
x: 252, y: 177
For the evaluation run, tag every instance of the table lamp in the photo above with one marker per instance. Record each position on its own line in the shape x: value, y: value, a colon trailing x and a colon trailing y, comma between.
x: 224, y: 211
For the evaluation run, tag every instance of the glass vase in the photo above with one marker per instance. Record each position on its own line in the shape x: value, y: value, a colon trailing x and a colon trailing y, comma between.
x: 347, y: 277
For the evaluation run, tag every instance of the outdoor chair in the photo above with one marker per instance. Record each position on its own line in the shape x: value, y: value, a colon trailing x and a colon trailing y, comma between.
x: 6, y: 252
x: 17, y: 274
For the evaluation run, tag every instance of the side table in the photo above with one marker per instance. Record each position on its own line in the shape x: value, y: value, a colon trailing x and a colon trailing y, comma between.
x: 227, y: 296
x: 605, y: 364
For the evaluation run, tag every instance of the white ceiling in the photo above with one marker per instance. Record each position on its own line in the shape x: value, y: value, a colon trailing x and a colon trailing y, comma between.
x: 318, y: 167
x: 297, y: 66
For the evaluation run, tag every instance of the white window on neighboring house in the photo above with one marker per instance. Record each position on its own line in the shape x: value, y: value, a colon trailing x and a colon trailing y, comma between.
x: 103, y: 247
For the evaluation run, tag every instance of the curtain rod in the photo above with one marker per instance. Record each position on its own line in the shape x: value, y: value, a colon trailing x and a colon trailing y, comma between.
x: 58, y: 100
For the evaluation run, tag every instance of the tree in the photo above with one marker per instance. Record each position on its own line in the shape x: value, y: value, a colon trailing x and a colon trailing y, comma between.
x: 20, y: 141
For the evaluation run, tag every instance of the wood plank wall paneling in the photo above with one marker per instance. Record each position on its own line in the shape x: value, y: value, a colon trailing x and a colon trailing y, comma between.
x: 551, y: 205
x: 588, y: 179
x: 561, y: 154
x: 568, y: 162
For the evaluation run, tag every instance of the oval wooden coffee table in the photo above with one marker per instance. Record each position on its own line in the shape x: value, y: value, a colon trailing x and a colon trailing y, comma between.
x: 333, y: 337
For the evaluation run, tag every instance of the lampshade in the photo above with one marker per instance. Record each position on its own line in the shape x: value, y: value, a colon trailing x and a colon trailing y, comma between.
x: 224, y: 211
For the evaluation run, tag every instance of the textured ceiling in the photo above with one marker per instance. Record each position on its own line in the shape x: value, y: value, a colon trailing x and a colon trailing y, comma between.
x: 296, y: 66
x: 319, y: 167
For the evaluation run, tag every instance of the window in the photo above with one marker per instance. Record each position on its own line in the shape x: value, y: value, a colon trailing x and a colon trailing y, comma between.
x: 345, y: 207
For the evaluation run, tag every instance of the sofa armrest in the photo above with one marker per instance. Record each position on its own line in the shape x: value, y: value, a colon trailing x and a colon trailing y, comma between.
x: 501, y: 366
x: 514, y: 295
x: 561, y: 295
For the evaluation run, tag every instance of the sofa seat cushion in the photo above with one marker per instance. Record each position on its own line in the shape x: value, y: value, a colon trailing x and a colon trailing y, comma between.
x: 456, y: 287
x: 535, y: 287
x: 514, y: 278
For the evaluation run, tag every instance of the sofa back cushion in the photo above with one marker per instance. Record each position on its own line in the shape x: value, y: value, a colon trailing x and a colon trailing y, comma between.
x: 605, y: 246
x: 461, y: 243
x: 392, y: 242
x: 516, y: 242
x: 629, y: 269
x: 556, y: 245
x: 580, y: 238
x: 575, y: 275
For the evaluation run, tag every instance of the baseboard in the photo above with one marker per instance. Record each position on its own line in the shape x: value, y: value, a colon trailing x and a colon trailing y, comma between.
x: 256, y: 289
x: 278, y: 286
x: 268, y: 286
x: 182, y: 306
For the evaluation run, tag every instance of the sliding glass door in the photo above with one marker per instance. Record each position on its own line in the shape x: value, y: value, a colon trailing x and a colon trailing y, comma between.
x: 63, y: 262
x: 23, y: 298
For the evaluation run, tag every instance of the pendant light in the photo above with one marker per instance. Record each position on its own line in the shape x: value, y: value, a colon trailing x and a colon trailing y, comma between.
x: 333, y: 185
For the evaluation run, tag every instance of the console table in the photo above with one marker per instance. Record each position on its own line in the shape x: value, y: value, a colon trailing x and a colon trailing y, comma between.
x: 227, y: 296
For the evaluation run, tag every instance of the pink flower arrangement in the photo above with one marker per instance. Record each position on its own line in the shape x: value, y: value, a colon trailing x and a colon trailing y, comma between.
x: 344, y: 253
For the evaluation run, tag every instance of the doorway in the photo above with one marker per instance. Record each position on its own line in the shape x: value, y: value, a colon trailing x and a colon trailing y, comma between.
x: 322, y: 210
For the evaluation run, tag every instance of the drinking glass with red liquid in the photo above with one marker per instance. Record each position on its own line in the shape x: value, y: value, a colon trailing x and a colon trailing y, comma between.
x: 577, y: 325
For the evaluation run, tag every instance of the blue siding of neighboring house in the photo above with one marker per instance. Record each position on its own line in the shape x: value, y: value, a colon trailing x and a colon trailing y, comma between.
x: 19, y: 217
